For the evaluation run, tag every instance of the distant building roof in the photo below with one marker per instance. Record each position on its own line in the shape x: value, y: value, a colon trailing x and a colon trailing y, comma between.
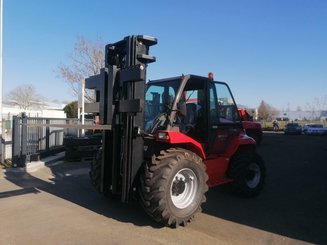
x: 52, y: 111
x: 299, y: 115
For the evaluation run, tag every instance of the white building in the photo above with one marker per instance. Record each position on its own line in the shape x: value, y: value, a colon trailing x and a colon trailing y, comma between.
x: 299, y: 115
x: 50, y: 110
x: 323, y: 116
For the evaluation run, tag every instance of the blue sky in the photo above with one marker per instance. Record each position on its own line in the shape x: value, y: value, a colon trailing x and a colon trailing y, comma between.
x: 273, y: 50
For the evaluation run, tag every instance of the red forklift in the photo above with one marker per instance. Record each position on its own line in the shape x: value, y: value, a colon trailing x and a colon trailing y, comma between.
x: 252, y: 128
x: 170, y: 139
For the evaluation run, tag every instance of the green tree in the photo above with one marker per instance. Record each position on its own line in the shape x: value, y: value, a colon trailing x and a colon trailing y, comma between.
x: 71, y: 109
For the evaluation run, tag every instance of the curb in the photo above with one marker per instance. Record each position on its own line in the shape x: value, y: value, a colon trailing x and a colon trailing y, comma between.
x: 36, y: 165
x: 273, y: 132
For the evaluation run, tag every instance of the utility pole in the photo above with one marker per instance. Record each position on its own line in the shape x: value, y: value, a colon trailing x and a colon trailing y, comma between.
x: 83, y: 105
x: 1, y: 20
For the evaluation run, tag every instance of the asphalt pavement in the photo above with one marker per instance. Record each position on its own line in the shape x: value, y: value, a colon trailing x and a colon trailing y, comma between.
x: 57, y: 205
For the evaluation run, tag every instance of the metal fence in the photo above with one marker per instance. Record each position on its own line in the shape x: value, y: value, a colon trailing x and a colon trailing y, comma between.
x: 32, y: 142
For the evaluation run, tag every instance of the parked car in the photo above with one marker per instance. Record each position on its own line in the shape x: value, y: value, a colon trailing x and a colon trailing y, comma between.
x: 293, y: 128
x: 314, y: 129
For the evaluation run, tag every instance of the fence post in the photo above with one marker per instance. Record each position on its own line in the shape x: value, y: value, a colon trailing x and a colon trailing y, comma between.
x: 24, y: 140
x: 47, y: 136
x: 16, y: 142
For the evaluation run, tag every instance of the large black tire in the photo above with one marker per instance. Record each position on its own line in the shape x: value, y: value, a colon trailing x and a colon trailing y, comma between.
x: 172, y: 186
x: 95, y: 172
x: 249, y: 173
x: 95, y: 176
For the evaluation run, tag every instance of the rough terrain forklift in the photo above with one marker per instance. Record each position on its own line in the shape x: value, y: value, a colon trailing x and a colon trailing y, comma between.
x: 170, y: 139
x: 252, y: 128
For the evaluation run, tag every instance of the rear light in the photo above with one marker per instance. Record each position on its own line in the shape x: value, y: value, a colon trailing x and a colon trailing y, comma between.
x: 163, y: 136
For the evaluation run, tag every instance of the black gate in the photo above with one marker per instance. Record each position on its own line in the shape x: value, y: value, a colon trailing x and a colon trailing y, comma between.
x: 31, y: 143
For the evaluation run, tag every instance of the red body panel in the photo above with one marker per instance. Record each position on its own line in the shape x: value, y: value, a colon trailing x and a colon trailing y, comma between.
x: 217, y: 164
x: 216, y: 167
x: 247, y: 121
x: 238, y: 141
x: 180, y: 138
x: 251, y: 125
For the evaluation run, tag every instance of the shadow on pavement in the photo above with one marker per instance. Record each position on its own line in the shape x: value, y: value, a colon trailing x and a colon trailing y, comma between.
x: 71, y: 182
x: 19, y: 192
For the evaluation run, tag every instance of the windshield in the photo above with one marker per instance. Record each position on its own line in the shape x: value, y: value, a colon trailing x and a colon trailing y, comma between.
x: 159, y: 99
x: 222, y: 106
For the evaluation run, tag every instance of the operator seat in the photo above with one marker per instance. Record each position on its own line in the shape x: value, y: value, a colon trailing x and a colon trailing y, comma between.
x: 189, y: 120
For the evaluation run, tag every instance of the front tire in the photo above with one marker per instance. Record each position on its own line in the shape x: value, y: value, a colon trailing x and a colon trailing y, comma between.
x: 249, y: 173
x: 95, y: 172
x: 95, y: 176
x: 172, y: 186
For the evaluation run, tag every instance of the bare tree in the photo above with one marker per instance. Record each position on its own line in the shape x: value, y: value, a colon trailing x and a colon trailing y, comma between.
x: 317, y: 105
x: 266, y: 111
x: 86, y: 60
x: 298, y: 108
x: 25, y: 97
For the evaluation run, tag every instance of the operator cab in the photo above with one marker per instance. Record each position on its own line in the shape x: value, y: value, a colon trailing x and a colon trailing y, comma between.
x: 196, y: 106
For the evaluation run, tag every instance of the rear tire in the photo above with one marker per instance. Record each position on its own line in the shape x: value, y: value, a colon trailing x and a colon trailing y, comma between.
x: 172, y: 187
x: 249, y: 173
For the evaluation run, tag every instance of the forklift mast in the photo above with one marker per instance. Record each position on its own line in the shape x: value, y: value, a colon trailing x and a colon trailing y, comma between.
x: 120, y: 91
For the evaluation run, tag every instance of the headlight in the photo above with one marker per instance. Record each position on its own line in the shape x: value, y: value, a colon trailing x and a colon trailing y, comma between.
x: 163, y: 136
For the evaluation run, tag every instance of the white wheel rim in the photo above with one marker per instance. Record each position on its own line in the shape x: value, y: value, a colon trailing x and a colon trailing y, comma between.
x: 183, y: 188
x: 253, y: 175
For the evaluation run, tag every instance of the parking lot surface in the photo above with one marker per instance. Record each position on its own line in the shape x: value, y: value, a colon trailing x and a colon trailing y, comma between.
x: 57, y: 205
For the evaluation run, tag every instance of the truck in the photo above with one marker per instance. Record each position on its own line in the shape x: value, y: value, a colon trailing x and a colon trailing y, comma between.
x: 168, y: 140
